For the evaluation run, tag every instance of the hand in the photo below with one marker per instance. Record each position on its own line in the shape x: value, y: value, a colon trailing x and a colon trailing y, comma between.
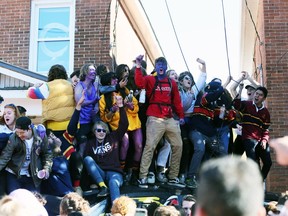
x: 181, y: 121
x: 138, y: 61
x: 244, y: 75
x: 119, y: 100
x: 202, y: 65
x: 263, y: 144
x: 130, y: 105
x: 280, y: 145
x: 123, y: 83
x: 114, y: 108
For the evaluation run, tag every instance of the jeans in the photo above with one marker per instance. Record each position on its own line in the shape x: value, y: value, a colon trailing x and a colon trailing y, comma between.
x: 113, y: 179
x: 255, y: 151
x: 224, y: 135
x: 200, y: 143
x: 24, y: 182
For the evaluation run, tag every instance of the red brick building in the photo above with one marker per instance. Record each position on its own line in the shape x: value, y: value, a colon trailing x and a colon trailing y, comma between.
x: 85, y: 34
x: 272, y: 53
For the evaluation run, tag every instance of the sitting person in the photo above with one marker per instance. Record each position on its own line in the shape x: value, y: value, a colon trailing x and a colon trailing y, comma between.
x: 101, y: 155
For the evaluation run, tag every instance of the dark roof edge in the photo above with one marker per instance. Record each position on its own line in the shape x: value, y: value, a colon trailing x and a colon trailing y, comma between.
x: 23, y: 71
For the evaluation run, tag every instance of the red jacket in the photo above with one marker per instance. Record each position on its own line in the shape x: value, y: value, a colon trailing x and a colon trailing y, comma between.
x: 164, y: 100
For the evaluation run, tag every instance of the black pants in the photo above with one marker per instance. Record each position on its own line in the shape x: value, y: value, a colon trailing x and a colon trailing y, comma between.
x: 256, y: 152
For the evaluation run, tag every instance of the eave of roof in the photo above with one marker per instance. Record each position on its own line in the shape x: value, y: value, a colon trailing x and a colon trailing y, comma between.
x: 21, y: 73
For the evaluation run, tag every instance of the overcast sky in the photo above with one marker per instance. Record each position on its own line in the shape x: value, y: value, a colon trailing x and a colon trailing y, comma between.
x: 200, y: 28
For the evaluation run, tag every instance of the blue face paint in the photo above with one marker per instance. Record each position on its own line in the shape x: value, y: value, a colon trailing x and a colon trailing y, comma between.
x: 161, y: 68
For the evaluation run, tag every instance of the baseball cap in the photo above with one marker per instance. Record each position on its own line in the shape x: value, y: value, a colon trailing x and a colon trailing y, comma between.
x: 23, y: 123
x: 249, y: 86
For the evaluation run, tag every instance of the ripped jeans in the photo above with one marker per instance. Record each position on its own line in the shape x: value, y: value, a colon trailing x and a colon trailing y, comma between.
x: 112, y: 179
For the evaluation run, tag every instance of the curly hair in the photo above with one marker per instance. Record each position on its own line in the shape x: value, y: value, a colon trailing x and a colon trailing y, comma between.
x: 84, y: 71
x: 124, y: 206
x: 73, y: 202
x: 57, y: 72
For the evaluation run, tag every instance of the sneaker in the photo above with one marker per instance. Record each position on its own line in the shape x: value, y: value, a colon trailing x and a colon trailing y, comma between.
x: 103, y: 192
x: 161, y: 177
x: 93, y: 186
x: 176, y: 183
x: 151, y: 178
x: 78, y: 190
x: 191, y: 183
x: 143, y: 183
x: 182, y: 178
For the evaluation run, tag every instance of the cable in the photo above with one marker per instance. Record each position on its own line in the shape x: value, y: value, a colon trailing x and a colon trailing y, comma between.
x: 258, y: 37
x: 176, y: 35
x: 152, y: 28
x: 226, y: 43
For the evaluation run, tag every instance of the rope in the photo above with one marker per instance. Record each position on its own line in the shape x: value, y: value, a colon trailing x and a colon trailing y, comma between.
x: 227, y: 54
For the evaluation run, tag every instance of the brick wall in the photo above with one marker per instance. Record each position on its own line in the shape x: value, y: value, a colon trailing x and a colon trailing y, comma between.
x: 272, y: 23
x: 15, y: 32
x: 91, y: 35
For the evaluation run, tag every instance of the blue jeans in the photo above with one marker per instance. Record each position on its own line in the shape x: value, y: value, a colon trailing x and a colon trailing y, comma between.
x: 224, y: 135
x: 114, y: 180
x: 201, y: 143
x: 24, y: 182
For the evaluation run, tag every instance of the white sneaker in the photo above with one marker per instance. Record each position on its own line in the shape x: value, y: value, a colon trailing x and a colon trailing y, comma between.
x: 151, y: 178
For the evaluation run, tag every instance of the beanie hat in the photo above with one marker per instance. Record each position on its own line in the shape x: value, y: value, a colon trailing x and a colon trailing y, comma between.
x: 212, y: 86
x: 23, y: 123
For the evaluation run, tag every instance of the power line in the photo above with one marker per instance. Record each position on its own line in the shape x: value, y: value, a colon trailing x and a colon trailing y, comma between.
x: 226, y: 43
x: 175, y: 33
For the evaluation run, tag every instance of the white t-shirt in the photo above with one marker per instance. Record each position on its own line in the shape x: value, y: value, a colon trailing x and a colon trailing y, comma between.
x: 24, y: 169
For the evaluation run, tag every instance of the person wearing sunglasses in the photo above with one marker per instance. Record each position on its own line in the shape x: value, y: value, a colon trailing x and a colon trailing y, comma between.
x: 188, y: 93
x: 101, y: 155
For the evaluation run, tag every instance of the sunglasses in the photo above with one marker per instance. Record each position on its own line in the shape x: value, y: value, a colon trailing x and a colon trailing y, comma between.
x: 187, y: 78
x: 98, y: 130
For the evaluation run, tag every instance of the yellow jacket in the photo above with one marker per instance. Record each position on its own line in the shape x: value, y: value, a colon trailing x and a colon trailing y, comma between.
x: 58, y: 108
x: 132, y: 115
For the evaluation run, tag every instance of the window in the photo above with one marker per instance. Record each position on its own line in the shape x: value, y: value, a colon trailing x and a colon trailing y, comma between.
x: 52, y: 35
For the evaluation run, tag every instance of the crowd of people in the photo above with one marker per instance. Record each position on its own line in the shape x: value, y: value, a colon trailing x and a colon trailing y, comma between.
x: 98, y: 132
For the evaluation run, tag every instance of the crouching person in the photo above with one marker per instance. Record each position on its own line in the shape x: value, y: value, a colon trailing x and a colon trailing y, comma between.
x: 25, y: 157
x: 101, y: 155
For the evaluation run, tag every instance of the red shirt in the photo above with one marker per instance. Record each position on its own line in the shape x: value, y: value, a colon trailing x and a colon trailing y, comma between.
x: 164, y: 100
